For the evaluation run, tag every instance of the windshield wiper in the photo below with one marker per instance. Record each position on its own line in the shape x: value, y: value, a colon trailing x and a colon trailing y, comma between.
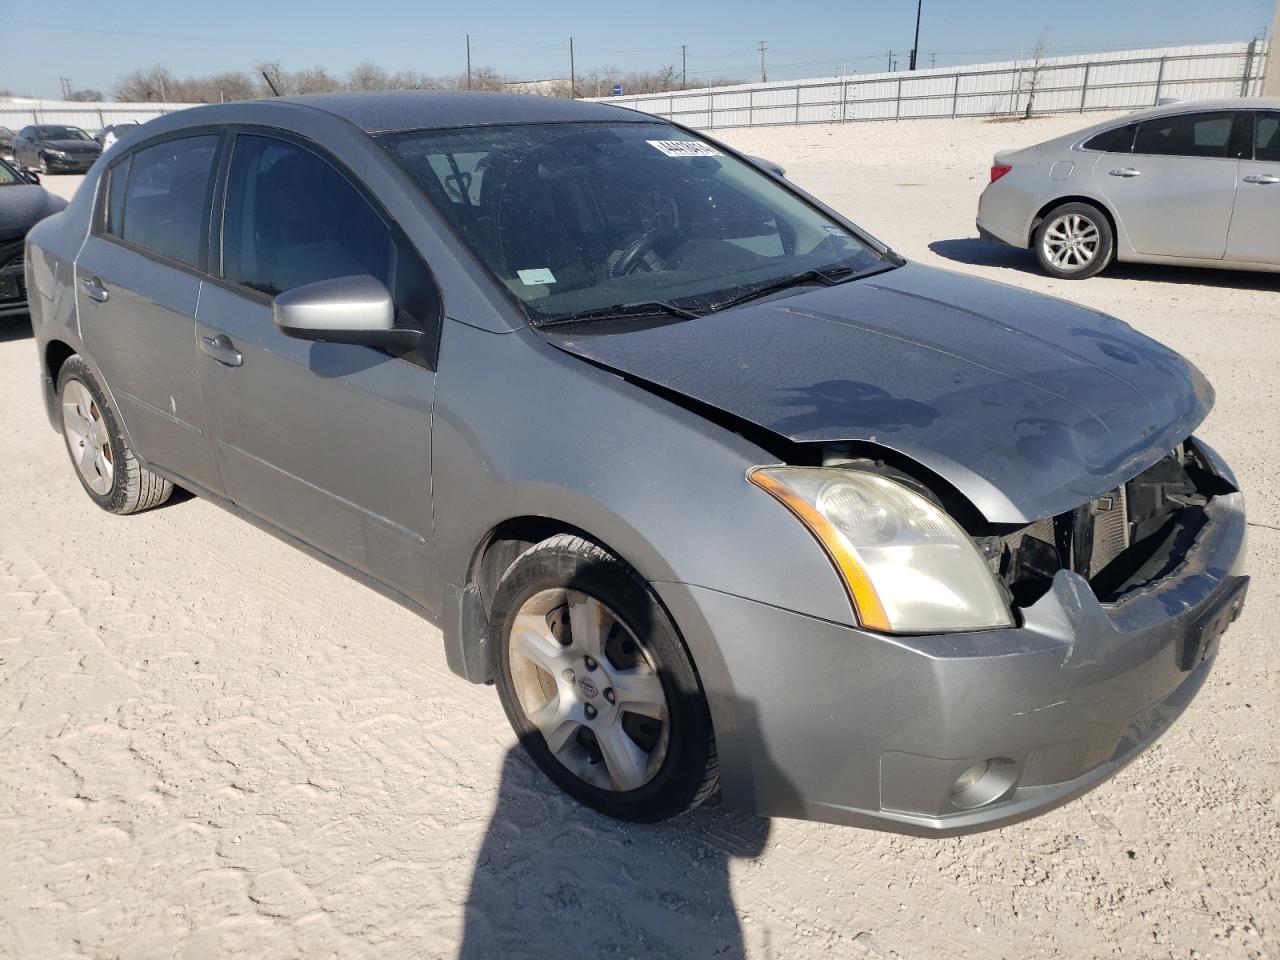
x: 825, y: 277
x: 622, y: 311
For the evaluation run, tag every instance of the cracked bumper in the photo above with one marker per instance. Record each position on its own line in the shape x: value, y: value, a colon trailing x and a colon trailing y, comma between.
x: 825, y: 722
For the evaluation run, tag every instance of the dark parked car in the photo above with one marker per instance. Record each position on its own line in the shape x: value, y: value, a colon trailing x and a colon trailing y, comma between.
x: 711, y: 484
x: 55, y: 148
x: 23, y: 204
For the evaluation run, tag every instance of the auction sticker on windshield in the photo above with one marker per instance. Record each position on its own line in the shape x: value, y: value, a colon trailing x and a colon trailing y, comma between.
x: 684, y: 148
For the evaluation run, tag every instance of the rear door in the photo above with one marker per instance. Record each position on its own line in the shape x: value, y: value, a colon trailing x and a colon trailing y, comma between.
x: 137, y: 286
x: 330, y: 442
x: 1175, y: 192
x: 1255, y: 227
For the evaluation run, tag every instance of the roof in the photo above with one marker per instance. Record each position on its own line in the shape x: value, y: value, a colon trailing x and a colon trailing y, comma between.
x: 387, y: 110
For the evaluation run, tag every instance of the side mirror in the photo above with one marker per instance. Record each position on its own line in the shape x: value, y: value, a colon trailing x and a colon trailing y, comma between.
x: 31, y: 176
x: 343, y: 310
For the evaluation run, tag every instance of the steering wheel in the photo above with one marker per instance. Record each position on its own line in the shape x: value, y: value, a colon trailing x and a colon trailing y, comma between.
x: 659, y: 216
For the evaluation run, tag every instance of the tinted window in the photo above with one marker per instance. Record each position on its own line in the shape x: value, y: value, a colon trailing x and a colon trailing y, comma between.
x: 291, y: 219
x: 117, y: 179
x: 1188, y: 135
x: 1119, y: 140
x: 166, y: 197
x: 1266, y: 138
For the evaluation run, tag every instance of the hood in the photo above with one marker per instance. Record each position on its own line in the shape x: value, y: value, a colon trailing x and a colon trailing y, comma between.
x: 22, y: 206
x: 72, y: 146
x: 1028, y: 405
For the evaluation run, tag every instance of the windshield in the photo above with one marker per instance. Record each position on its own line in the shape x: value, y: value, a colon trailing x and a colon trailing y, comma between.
x: 8, y: 175
x: 63, y: 133
x: 579, y: 217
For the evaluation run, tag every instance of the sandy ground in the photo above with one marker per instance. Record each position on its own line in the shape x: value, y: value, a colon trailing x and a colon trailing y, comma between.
x: 214, y: 746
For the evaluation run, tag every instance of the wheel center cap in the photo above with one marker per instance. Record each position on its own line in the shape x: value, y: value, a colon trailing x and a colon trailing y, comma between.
x: 588, y: 687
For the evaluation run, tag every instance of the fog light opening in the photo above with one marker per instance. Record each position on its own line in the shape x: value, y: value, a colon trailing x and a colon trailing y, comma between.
x: 983, y: 782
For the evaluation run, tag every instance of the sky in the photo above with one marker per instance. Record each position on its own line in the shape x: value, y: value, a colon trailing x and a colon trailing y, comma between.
x: 93, y: 43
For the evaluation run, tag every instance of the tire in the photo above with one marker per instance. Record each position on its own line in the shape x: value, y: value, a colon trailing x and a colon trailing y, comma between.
x: 1074, y: 241
x: 113, y: 478
x: 644, y: 766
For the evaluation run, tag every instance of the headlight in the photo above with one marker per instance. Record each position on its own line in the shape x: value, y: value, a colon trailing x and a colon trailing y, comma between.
x: 906, y: 565
x: 60, y: 154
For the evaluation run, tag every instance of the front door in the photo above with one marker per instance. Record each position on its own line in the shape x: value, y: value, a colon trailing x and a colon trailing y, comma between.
x: 137, y: 288
x: 1255, y: 227
x: 329, y: 442
x: 1174, y: 193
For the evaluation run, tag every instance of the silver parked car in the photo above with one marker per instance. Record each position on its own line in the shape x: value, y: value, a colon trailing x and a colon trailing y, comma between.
x: 712, y: 485
x: 1196, y: 184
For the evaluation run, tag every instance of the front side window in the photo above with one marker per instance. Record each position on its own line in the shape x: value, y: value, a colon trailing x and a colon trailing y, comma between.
x: 1186, y: 135
x: 1266, y: 137
x: 292, y: 218
x: 166, y: 196
x: 580, y: 217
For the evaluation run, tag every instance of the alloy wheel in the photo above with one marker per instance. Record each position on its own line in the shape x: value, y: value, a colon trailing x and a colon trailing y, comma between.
x: 88, y: 437
x: 1071, y: 242
x: 589, y: 687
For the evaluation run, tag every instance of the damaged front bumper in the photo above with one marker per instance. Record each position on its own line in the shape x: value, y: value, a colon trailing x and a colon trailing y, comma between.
x: 952, y: 734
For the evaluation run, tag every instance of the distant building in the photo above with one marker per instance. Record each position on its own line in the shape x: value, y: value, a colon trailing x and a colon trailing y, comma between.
x: 550, y: 87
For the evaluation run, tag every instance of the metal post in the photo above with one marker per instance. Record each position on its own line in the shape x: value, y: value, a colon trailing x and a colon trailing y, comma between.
x: 711, y: 110
x: 955, y: 97
x: 915, y: 45
x: 751, y: 108
x: 1160, y: 80
x: 898, y: 102
x: 844, y: 100
x: 1248, y: 67
x: 1084, y: 88
x: 797, y: 104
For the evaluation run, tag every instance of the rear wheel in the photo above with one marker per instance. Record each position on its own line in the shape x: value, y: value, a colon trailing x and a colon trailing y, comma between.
x: 597, y: 684
x: 1074, y: 241
x: 104, y: 462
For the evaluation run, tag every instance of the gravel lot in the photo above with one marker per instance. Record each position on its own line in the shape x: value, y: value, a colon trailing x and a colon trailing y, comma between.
x: 214, y: 746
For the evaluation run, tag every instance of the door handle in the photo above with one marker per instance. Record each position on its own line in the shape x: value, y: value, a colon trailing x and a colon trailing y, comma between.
x: 94, y: 289
x: 220, y: 349
x: 1125, y: 172
x: 1262, y: 178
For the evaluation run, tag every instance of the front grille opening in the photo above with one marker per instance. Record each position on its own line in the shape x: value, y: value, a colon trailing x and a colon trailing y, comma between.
x: 1120, y: 542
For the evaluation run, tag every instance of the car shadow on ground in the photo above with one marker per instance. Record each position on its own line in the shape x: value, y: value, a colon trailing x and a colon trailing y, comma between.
x: 553, y: 878
x: 15, y: 328
x: 976, y: 251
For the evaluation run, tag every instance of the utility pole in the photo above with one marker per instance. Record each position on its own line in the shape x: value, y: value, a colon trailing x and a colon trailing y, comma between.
x: 915, y: 45
x: 764, y: 77
x: 891, y: 61
x: 684, y: 66
x: 573, y: 76
x: 66, y: 87
x: 933, y: 59
x: 468, y: 61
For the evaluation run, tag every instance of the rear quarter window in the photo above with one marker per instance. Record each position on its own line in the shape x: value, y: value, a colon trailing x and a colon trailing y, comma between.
x: 1118, y: 140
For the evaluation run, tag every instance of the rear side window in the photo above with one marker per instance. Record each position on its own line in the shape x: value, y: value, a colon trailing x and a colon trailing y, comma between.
x: 166, y: 196
x: 292, y: 218
x: 1186, y: 135
x: 1119, y: 140
x: 1266, y: 138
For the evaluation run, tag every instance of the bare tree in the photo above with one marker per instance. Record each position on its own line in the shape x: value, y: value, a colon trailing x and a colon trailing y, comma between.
x: 86, y: 96
x: 1031, y: 82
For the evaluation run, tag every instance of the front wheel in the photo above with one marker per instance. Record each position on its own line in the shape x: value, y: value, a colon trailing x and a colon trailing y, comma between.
x: 1074, y: 241
x: 597, y: 685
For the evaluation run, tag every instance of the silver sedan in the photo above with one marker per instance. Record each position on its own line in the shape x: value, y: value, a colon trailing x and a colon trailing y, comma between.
x: 1196, y: 184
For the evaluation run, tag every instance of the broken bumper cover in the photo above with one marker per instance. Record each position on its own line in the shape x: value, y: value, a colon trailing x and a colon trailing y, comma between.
x: 824, y: 722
